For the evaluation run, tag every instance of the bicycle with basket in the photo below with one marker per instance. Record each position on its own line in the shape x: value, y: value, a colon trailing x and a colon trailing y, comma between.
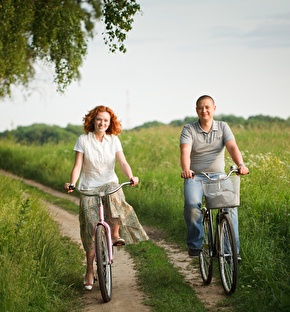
x: 221, y: 194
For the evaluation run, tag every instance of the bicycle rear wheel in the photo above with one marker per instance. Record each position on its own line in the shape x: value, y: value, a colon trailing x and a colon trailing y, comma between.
x: 205, y: 259
x: 104, y: 268
x: 228, y: 260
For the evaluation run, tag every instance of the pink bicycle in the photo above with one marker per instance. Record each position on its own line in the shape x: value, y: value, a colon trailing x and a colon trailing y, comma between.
x: 103, y: 243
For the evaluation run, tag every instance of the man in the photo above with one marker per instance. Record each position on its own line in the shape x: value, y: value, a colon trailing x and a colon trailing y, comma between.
x: 202, y: 147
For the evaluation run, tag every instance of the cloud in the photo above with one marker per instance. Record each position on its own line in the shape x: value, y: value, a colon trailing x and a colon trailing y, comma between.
x: 272, y: 31
x: 259, y: 32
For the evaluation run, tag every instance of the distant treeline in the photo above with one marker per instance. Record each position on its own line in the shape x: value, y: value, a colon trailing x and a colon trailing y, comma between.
x: 42, y: 133
x: 257, y: 121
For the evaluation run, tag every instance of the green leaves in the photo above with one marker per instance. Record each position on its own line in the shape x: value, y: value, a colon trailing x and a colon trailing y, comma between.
x: 118, y: 18
x: 15, y: 52
x: 56, y: 32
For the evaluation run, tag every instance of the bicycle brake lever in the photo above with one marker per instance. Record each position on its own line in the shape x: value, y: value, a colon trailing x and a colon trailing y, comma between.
x: 71, y: 187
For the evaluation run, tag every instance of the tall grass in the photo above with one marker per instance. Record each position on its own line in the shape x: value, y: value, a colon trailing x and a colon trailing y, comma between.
x: 158, y: 200
x: 265, y: 233
x: 39, y: 270
x: 48, y: 164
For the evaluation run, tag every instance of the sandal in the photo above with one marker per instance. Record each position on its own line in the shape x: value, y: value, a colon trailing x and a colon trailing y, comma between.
x: 88, y: 286
x: 119, y: 242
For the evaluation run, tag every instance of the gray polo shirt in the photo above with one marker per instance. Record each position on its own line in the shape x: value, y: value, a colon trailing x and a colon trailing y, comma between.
x: 207, y: 153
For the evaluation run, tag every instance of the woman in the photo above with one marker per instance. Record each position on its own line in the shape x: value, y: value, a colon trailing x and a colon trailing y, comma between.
x: 96, y: 153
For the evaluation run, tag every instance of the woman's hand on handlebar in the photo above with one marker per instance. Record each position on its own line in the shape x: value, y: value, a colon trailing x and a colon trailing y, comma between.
x: 187, y: 174
x: 134, y: 180
x: 69, y: 187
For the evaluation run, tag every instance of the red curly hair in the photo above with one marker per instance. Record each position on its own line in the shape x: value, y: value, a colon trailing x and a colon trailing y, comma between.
x: 88, y: 121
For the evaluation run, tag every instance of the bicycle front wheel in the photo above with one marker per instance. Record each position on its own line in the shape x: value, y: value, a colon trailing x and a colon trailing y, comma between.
x: 205, y: 257
x: 228, y: 260
x: 104, y: 268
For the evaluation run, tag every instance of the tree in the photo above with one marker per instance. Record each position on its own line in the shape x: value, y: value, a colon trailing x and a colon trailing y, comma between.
x: 56, y: 32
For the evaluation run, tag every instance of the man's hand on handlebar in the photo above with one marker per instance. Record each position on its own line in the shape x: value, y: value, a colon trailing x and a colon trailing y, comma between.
x: 243, y: 170
x: 187, y: 174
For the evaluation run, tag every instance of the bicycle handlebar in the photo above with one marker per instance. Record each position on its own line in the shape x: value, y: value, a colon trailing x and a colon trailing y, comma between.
x: 101, y: 194
x: 232, y: 170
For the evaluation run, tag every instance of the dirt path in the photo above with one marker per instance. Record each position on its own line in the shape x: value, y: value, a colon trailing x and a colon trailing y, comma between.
x: 126, y: 293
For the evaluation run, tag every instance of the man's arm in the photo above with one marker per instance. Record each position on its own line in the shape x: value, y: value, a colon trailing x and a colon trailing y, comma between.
x: 185, y: 150
x: 236, y: 155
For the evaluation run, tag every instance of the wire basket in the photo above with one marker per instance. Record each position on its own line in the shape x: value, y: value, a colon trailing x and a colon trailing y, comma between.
x: 222, y: 193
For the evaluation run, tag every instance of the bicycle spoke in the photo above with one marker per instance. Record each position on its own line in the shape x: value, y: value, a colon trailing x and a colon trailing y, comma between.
x: 103, y: 264
x: 227, y: 256
x: 205, y: 260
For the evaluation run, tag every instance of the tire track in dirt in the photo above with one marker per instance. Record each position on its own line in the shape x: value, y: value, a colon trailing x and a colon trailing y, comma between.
x: 212, y: 296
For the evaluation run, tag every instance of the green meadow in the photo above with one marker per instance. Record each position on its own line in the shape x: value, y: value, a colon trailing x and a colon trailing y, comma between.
x: 31, y: 251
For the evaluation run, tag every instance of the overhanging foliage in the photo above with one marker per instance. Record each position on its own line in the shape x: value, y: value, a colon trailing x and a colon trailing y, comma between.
x: 57, y: 32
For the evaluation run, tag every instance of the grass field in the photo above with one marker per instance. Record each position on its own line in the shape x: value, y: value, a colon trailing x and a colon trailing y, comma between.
x: 39, y: 270
x: 264, y: 282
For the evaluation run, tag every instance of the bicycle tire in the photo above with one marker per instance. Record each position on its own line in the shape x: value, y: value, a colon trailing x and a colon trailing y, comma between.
x: 104, y: 269
x: 205, y: 256
x: 228, y: 259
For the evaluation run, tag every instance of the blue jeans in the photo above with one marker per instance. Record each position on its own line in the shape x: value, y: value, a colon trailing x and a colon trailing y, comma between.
x: 193, y: 195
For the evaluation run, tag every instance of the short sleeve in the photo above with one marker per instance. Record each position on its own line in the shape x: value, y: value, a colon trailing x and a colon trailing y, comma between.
x: 118, y: 145
x: 79, y: 146
x: 186, y: 135
x: 227, y: 133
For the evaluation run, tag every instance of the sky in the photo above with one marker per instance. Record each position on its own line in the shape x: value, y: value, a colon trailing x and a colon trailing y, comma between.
x: 237, y: 51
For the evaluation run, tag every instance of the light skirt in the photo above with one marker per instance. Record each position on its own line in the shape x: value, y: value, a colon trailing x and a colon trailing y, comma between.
x: 116, y: 209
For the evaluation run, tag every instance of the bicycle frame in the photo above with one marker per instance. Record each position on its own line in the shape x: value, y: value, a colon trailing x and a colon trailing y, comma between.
x: 107, y: 227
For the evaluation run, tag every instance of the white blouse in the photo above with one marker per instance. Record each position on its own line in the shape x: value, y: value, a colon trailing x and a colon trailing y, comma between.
x: 99, y: 160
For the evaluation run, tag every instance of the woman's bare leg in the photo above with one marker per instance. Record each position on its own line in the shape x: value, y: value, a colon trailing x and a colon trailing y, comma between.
x: 115, y: 232
x: 116, y: 235
x: 89, y: 277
